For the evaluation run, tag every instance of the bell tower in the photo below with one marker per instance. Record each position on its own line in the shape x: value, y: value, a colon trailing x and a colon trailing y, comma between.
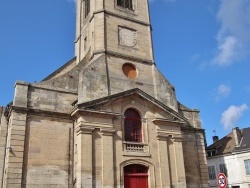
x: 118, y: 28
x: 113, y: 38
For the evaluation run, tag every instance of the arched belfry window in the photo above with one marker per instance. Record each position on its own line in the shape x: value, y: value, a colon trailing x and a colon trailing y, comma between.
x: 125, y: 4
x: 132, y: 124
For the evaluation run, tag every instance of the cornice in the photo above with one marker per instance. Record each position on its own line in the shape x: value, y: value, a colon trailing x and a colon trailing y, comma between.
x: 127, y: 57
x: 118, y: 16
x: 32, y: 111
x: 161, y: 121
x: 169, y: 135
x: 86, y: 127
x: 78, y: 111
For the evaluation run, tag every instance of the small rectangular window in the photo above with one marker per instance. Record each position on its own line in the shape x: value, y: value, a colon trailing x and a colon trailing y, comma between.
x: 211, y: 172
x: 247, y: 166
x: 223, y: 169
x: 125, y: 4
x: 87, y: 7
x: 85, y: 43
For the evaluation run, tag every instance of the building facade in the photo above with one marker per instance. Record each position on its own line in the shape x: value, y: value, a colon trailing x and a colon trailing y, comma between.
x: 231, y: 156
x: 108, y: 117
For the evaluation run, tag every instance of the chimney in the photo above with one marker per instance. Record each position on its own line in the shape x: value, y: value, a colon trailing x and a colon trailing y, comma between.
x: 215, y: 139
x: 237, y: 135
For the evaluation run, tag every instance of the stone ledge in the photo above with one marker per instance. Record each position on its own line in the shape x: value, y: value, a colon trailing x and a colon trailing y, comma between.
x: 136, y: 154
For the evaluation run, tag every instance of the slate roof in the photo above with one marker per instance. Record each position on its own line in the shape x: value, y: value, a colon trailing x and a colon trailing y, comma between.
x: 226, y: 145
x: 59, y: 70
x: 223, y: 146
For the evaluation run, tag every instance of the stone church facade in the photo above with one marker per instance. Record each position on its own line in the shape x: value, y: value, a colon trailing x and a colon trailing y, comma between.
x: 107, y: 118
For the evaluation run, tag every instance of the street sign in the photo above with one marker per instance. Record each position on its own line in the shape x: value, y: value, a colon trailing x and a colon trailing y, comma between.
x: 222, y: 180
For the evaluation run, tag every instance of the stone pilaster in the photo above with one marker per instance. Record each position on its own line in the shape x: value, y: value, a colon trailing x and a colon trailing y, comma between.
x: 84, y: 169
x: 107, y: 158
x: 179, y: 162
x: 163, y: 154
x: 200, y: 147
x: 3, y: 130
x: 21, y: 94
x: 14, y: 171
x: 15, y: 149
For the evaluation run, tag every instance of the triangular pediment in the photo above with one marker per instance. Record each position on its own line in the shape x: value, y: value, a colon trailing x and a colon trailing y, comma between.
x: 98, y: 106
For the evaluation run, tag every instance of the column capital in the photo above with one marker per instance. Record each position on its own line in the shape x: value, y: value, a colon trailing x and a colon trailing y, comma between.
x: 177, y: 138
x: 84, y: 130
x: 172, y: 135
x: 107, y: 132
x: 164, y: 137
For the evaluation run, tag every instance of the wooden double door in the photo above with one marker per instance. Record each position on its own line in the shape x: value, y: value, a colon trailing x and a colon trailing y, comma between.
x: 135, y: 176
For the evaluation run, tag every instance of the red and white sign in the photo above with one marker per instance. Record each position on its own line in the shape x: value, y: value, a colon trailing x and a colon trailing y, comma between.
x: 222, y: 180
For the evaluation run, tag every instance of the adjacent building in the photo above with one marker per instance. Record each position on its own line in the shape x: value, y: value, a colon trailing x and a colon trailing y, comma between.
x: 231, y: 156
x: 107, y: 118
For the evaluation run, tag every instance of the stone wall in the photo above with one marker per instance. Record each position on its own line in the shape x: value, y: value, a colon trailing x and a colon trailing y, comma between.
x: 40, y: 137
x: 195, y: 158
x: 48, y: 152
x: 3, y: 131
x: 142, y: 39
x: 165, y: 147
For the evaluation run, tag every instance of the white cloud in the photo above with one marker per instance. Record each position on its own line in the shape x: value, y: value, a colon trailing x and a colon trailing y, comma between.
x: 230, y: 116
x: 223, y: 91
x: 228, y: 49
x: 233, y: 37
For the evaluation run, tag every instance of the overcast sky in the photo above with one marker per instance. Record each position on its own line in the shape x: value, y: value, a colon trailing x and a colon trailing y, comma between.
x: 201, y: 46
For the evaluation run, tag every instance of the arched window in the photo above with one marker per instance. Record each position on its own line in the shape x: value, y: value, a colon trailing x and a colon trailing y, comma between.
x: 132, y: 125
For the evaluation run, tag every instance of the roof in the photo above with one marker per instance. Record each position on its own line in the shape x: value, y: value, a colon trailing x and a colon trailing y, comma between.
x: 61, y: 70
x: 184, y: 108
x: 223, y: 146
x: 227, y: 145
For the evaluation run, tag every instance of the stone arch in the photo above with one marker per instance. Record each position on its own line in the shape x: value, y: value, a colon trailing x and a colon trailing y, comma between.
x: 150, y: 166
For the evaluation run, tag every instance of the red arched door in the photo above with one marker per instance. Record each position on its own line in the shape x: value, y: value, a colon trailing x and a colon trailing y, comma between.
x: 135, y: 176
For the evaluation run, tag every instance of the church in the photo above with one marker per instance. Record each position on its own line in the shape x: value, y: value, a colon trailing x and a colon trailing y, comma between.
x: 105, y: 119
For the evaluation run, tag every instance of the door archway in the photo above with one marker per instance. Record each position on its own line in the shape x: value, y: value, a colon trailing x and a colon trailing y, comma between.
x: 135, y: 176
